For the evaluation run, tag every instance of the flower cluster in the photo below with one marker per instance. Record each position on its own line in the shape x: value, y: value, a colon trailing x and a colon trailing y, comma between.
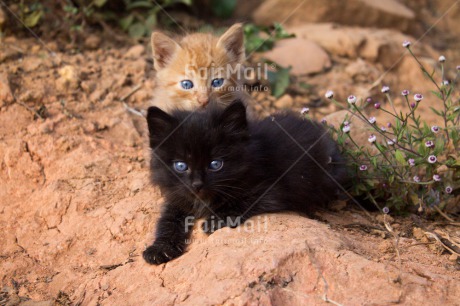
x: 405, y: 160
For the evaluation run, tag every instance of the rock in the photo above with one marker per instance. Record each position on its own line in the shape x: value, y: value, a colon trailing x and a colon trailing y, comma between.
x: 361, y: 71
x: 282, y: 257
x: 285, y: 101
x: 40, y: 303
x: 368, y: 13
x: 92, y: 42
x: 376, y: 45
x: 381, y: 218
x: 68, y: 80
x: 135, y: 52
x: 31, y: 63
x: 411, y: 75
x: 419, y: 234
x: 305, y: 56
x: 6, y: 95
x: 335, y: 39
x: 450, y: 25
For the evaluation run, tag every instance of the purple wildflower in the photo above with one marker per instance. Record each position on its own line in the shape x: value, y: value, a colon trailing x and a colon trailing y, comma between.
x: 351, y: 99
x: 304, y: 110
x: 372, y: 138
x: 432, y: 159
x: 418, y: 97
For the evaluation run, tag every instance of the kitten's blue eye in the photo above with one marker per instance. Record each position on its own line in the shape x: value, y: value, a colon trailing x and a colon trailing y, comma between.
x: 180, y: 166
x: 186, y: 84
x: 216, y: 165
x: 217, y: 82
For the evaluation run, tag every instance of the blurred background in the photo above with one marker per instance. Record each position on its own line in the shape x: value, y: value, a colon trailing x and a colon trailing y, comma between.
x: 354, y: 45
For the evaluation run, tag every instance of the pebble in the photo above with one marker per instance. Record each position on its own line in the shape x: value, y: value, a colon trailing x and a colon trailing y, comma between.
x: 285, y: 101
x: 135, y: 51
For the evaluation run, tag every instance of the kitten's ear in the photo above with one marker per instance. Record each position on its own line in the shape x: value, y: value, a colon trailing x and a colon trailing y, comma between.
x: 163, y: 49
x: 233, y: 119
x: 233, y: 42
x: 160, y: 125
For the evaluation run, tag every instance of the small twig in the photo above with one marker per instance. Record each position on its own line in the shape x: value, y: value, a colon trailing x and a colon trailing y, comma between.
x: 420, y: 243
x: 443, y: 214
x: 396, y: 236
x: 435, y: 236
x: 136, y: 88
x: 30, y: 109
x: 16, y: 48
x: 132, y: 110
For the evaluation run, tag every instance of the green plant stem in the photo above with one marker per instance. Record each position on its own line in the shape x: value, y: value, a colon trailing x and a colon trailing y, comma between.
x: 391, y: 102
x: 445, y: 118
x: 417, y: 183
x: 385, y: 136
x: 424, y: 70
x: 411, y: 110
x: 384, y: 110
x: 389, y: 162
x: 349, y: 137
x: 336, y: 103
x: 442, y: 72
x: 373, y: 200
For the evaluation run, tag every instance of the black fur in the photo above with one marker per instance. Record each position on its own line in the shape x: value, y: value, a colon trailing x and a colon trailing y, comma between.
x: 264, y: 170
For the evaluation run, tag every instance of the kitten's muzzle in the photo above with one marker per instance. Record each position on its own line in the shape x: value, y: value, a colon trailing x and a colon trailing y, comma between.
x: 203, y: 100
x: 197, y: 185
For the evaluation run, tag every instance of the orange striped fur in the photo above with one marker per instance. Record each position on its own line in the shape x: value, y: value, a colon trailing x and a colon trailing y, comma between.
x: 199, y: 58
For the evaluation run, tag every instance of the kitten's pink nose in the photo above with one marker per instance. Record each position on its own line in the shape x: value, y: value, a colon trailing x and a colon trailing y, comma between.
x: 197, y: 185
x: 203, y: 100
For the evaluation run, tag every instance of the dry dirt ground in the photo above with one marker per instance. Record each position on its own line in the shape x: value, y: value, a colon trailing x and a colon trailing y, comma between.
x: 77, y: 209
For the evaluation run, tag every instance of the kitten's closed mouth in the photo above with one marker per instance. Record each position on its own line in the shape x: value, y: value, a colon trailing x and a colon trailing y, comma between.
x: 201, y: 194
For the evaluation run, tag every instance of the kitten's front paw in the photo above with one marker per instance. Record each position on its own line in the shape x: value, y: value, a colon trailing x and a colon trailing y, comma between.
x: 160, y: 253
x: 212, y: 224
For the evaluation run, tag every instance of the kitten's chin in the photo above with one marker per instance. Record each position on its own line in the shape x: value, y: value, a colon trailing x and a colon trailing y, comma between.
x: 202, y: 195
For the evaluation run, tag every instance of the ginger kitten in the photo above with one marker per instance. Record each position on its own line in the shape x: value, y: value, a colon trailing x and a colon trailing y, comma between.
x: 197, y: 69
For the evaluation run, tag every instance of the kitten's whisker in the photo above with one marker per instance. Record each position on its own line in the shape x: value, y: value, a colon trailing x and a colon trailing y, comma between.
x: 231, y: 187
x: 225, y: 194
x: 227, y: 94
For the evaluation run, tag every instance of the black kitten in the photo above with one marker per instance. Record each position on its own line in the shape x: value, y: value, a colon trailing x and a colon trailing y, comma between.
x: 217, y: 165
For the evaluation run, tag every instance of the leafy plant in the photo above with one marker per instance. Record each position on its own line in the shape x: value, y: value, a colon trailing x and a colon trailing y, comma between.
x: 30, y: 14
x: 143, y: 15
x: 261, y: 39
x: 279, y: 79
x: 223, y: 8
x: 415, y: 164
x: 136, y: 17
